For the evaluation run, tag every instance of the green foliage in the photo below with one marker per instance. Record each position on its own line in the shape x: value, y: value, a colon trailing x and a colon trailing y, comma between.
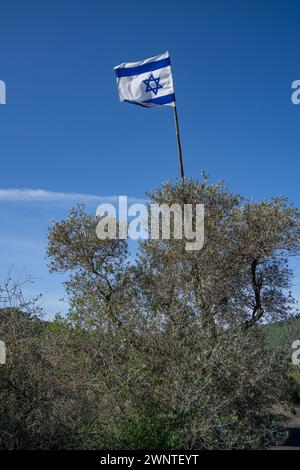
x: 280, y: 336
x: 166, y: 353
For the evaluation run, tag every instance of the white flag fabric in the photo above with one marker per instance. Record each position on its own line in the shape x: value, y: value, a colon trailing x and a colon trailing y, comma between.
x: 147, y: 82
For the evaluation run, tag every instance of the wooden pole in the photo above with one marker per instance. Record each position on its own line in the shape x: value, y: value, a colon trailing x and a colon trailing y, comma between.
x: 178, y: 143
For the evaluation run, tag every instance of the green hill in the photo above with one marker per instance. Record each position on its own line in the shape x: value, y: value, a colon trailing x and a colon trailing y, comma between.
x: 282, y: 334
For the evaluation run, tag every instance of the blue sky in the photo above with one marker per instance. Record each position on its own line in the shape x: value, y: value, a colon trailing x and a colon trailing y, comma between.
x: 63, y: 129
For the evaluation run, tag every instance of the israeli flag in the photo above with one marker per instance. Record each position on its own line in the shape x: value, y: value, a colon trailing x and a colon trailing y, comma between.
x: 147, y: 82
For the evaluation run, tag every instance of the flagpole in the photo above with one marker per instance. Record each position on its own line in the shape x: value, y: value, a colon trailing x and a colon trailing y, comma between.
x: 178, y: 143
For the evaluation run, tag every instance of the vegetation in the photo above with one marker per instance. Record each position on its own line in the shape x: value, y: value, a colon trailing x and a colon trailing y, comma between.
x: 280, y: 337
x: 164, y: 353
x: 282, y: 334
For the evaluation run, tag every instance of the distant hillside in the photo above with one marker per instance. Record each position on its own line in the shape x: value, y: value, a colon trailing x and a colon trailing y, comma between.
x: 282, y: 334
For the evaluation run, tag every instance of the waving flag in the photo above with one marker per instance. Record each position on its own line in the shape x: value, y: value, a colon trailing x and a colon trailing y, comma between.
x: 147, y: 82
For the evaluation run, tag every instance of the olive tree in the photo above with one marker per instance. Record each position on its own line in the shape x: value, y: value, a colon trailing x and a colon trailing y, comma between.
x: 178, y: 334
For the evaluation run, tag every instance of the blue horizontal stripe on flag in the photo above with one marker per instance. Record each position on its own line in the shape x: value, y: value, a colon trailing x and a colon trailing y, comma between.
x: 137, y: 103
x: 149, y: 67
x: 161, y: 99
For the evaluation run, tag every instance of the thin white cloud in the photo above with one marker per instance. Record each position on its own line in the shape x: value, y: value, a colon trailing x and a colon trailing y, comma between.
x: 42, y: 195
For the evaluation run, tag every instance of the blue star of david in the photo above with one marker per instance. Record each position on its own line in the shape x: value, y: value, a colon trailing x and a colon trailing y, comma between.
x: 155, y: 87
